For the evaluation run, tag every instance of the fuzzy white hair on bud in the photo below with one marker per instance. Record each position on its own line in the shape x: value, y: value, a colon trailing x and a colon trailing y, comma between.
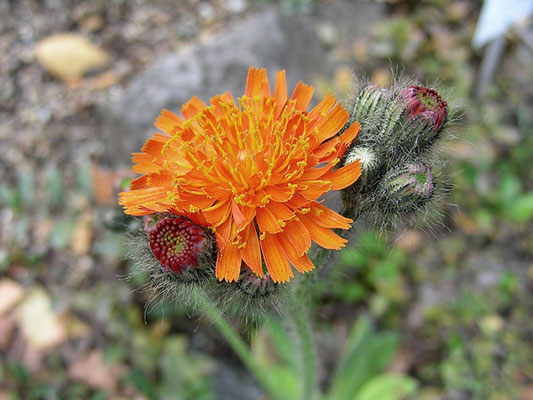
x: 367, y: 157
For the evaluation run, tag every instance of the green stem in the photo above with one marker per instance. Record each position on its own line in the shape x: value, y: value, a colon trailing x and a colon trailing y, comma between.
x: 238, y: 345
x: 300, y: 318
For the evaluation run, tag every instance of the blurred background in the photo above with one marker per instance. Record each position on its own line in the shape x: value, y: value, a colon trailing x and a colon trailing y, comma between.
x: 81, y: 83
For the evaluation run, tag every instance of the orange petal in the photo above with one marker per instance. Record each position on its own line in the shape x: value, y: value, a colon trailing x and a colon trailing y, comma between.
x: 299, y: 236
x: 229, y: 262
x: 168, y: 122
x: 224, y: 233
x: 280, y: 211
x: 218, y: 213
x: 266, y: 221
x: 197, y: 218
x: 313, y: 189
x: 302, y: 94
x: 192, y: 107
x: 322, y: 236
x: 327, y: 218
x: 297, y: 201
x: 275, y: 259
x: 316, y: 173
x: 139, y: 183
x: 323, y: 107
x: 330, y: 125
x: 345, y: 176
x: 143, y: 201
x: 304, y: 264
x: 326, y: 148
x: 257, y: 83
x: 301, y: 262
x: 349, y: 134
x: 242, y: 215
x: 279, y: 193
x: 153, y: 147
x: 280, y: 92
x: 251, y: 254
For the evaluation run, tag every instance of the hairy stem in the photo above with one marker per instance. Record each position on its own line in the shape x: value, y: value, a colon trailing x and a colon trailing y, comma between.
x: 238, y: 345
x: 300, y: 317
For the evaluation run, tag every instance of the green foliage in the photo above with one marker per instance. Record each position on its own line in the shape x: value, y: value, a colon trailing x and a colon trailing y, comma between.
x: 367, y: 353
x: 388, y: 386
x: 369, y: 272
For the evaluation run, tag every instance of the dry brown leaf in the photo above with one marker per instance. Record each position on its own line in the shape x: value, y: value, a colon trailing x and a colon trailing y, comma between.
x: 105, y: 184
x: 69, y: 56
x: 40, y: 325
x: 92, y: 23
x: 466, y: 222
x: 92, y: 371
x: 82, y: 237
x: 11, y: 293
x: 104, y: 80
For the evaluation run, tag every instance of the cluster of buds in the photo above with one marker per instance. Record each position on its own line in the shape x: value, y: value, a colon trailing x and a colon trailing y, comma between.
x: 401, y: 126
x: 241, y: 256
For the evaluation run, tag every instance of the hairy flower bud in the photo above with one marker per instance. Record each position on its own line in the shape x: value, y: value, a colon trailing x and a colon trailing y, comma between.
x: 370, y: 103
x: 412, y: 121
x: 177, y: 243
x: 367, y: 157
x: 407, y: 188
x: 426, y: 103
x: 253, y: 285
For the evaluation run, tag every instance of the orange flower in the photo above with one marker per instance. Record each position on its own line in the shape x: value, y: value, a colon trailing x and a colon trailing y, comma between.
x: 252, y: 173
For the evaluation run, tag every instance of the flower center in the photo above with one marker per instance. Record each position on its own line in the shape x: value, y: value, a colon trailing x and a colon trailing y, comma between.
x: 428, y: 99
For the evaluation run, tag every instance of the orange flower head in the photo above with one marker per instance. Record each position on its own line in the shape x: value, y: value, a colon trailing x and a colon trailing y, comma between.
x: 252, y: 172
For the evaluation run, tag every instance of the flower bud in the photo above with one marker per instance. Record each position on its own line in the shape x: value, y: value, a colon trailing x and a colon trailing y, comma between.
x: 254, y: 285
x: 427, y: 104
x: 370, y: 103
x: 412, y: 121
x: 406, y: 188
x: 250, y: 297
x: 367, y: 157
x: 177, y: 243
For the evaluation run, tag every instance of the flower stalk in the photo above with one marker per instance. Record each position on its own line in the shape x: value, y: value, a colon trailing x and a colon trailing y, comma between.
x: 238, y: 345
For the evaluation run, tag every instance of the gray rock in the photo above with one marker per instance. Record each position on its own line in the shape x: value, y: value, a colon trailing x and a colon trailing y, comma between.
x: 215, y: 66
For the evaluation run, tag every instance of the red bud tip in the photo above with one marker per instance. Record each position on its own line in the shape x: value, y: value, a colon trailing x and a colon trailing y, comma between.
x: 426, y: 102
x: 177, y: 243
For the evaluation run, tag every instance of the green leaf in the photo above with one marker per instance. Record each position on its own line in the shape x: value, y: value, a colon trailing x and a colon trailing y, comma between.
x: 366, y: 354
x: 286, y: 379
x: 282, y: 341
x: 352, y: 257
x: 508, y: 189
x: 388, y: 387
x: 62, y: 232
x: 84, y: 180
x: 521, y: 209
x: 54, y: 186
x: 26, y: 187
x: 10, y: 197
